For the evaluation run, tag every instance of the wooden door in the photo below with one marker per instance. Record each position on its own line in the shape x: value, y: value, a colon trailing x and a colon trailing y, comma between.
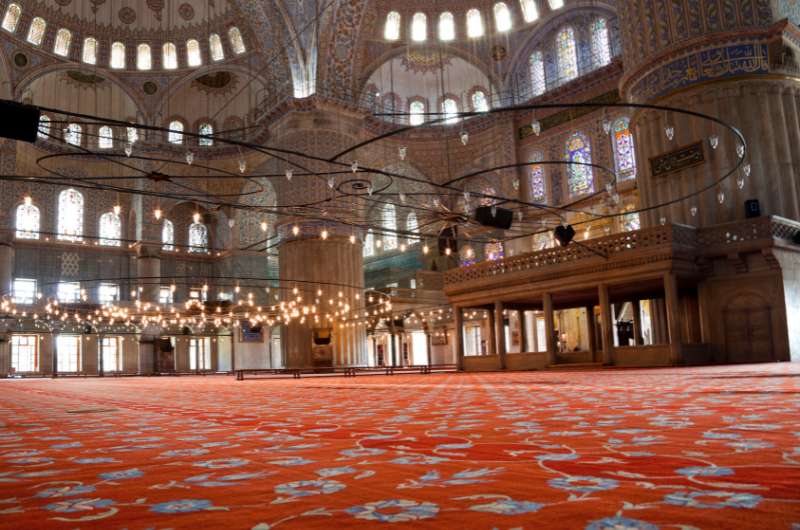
x: 748, y: 335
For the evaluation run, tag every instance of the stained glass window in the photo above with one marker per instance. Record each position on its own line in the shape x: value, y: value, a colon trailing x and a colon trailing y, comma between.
x: 11, y: 19
x: 63, y: 40
x: 601, y: 47
x: 450, y: 110
x: 579, y: 176
x: 542, y: 241
x: 538, y: 185
x: 175, y: 135
x: 538, y: 82
x: 624, y: 154
x: 555, y: 4
x: 144, y: 59
x: 502, y: 17
x: 631, y: 222
x: 474, y: 24
x: 215, y: 45
x: 417, y: 113
x: 73, y: 134
x: 369, y: 244
x: 567, y: 54
x: 206, y: 129
x: 27, y: 222
x: 44, y: 126
x: 70, y: 215
x: 169, y: 56
x: 419, y: 27
x: 493, y: 251
x: 389, y: 222
x: 447, y: 26
x: 89, y: 50
x: 193, y: 57
x: 110, y: 230
x: 529, y: 10
x: 479, y: 101
x: 168, y: 235
x: 105, y: 137
x: 488, y: 201
x: 118, y: 56
x: 237, y: 42
x: 198, y: 238
x: 412, y: 226
x: 36, y: 31
x: 392, y: 29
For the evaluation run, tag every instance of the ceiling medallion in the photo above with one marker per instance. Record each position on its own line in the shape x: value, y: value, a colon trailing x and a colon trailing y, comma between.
x: 499, y: 52
x: 150, y: 88
x: 127, y: 15
x: 156, y: 6
x: 186, y: 11
x: 20, y: 60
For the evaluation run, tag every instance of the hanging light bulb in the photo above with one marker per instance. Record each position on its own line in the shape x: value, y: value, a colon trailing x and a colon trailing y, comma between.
x: 607, y: 127
x: 324, y: 233
x: 740, y: 150
x: 746, y: 170
x: 402, y: 152
x: 369, y: 189
x: 537, y: 127
x: 352, y: 239
x: 128, y: 149
x: 263, y: 226
x: 464, y: 137
x: 663, y: 221
x: 425, y: 248
x: 402, y: 197
x: 157, y: 213
x: 693, y: 211
x: 196, y: 217
x: 27, y: 200
x: 447, y: 251
x: 740, y: 182
x: 721, y: 197
x: 713, y: 141
x: 289, y: 174
x: 379, y: 243
x: 669, y: 130
x: 520, y: 215
x: 403, y: 247
x: 493, y: 210
x: 331, y: 182
x: 354, y: 166
x: 242, y: 165
x: 515, y: 183
x: 189, y: 157
x: 295, y: 230
x: 231, y: 222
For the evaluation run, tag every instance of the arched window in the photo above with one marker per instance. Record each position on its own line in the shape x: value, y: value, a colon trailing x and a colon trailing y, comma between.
x: 369, y: 244
x: 567, y: 54
x: 73, y: 134
x: 89, y: 55
x: 36, y: 31
x: 215, y: 46
x: 11, y: 18
x: 206, y: 129
x: 389, y: 223
x: 118, y: 56
x: 168, y: 235
x: 474, y: 24
x: 105, y: 137
x: 479, y: 101
x: 419, y: 27
x: 601, y: 46
x: 175, y: 135
x: 530, y: 11
x: 198, y: 238
x: 447, y: 26
x: 579, y: 175
x: 110, y: 230
x: 63, y: 40
x: 193, y: 57
x: 502, y: 17
x: 27, y: 222
x: 417, y: 113
x: 538, y: 81
x: 624, y: 153
x: 538, y: 184
x: 412, y: 227
x: 450, y: 110
x: 144, y: 59
x: 391, y: 30
x: 555, y: 4
x: 169, y: 56
x: 237, y: 42
x: 44, y: 126
x: 70, y: 215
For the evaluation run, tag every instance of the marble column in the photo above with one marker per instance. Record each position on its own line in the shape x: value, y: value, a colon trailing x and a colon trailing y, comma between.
x: 606, y: 326
x: 671, y: 298
x: 491, y: 344
x: 458, y: 337
x: 6, y: 267
x: 591, y: 331
x: 148, y: 269
x: 637, y: 323
x: 499, y: 333
x: 549, y: 327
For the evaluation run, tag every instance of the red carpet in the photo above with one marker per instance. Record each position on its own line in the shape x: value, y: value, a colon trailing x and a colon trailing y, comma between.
x: 646, y: 449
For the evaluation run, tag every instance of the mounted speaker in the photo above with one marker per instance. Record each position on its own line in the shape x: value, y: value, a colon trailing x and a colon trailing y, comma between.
x: 796, y: 239
x: 501, y: 219
x: 564, y: 234
x: 752, y: 208
x: 20, y: 122
x: 448, y: 239
x: 322, y: 336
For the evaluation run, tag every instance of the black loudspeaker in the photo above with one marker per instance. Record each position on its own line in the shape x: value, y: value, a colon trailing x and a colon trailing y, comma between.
x: 447, y: 239
x: 322, y: 336
x: 564, y: 234
x: 501, y: 219
x: 796, y: 239
x: 165, y: 345
x: 752, y: 208
x: 20, y: 122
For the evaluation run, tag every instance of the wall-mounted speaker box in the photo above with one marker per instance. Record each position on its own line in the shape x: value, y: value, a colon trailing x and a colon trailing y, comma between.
x: 19, y: 122
x: 752, y: 208
x: 501, y: 219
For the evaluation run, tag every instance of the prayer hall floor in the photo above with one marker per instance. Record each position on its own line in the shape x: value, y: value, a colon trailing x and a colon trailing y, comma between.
x: 615, y: 449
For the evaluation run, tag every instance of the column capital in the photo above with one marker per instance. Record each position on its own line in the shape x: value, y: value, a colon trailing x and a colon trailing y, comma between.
x: 147, y: 250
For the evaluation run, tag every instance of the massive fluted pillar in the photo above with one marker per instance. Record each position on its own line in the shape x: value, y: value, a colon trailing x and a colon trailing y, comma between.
x: 734, y: 63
